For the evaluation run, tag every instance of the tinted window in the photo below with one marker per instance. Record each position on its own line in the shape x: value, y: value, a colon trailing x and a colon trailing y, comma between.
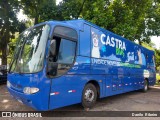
x: 66, y: 51
x: 66, y: 32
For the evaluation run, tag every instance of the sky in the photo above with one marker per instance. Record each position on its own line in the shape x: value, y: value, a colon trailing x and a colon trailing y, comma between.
x: 57, y: 1
x: 21, y: 16
x: 154, y: 39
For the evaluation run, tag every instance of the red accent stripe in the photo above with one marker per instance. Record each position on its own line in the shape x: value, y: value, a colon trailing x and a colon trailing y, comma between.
x: 56, y: 93
x: 73, y: 90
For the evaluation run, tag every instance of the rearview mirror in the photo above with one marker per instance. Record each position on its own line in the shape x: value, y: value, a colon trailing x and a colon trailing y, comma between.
x: 53, y: 47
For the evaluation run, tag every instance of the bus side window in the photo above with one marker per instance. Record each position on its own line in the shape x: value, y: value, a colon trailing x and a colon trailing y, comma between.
x: 66, y: 55
x: 66, y: 51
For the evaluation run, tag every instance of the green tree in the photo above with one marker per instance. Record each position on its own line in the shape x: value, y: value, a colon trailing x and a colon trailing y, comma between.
x: 132, y: 19
x: 98, y: 12
x: 49, y: 11
x: 153, y: 19
x: 70, y: 9
x: 139, y: 9
x: 40, y: 10
x: 8, y: 24
x: 157, y: 56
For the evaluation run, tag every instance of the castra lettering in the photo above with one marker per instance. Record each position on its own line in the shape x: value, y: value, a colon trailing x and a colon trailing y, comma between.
x: 113, y: 42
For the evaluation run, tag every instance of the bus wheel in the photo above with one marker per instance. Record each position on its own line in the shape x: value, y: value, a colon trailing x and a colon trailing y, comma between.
x: 89, y: 96
x: 145, y: 89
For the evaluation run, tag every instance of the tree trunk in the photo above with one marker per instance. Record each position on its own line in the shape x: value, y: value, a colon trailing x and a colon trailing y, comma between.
x: 140, y: 42
x: 36, y: 20
x: 5, y: 38
x: 4, y: 56
x: 81, y: 9
x: 36, y: 17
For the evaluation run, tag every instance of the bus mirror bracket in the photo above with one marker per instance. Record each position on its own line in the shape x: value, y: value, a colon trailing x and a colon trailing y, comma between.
x: 52, y: 69
x: 53, y: 47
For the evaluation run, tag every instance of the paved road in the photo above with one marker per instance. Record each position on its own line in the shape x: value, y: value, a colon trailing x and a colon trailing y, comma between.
x: 132, y: 101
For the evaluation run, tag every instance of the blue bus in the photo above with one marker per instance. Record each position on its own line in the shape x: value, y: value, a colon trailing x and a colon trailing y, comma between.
x: 60, y: 63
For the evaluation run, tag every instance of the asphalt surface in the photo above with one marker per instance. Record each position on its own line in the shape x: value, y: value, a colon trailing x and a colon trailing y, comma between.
x: 132, y: 101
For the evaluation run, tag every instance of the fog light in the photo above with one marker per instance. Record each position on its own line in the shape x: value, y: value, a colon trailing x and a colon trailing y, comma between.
x: 8, y: 84
x: 30, y: 90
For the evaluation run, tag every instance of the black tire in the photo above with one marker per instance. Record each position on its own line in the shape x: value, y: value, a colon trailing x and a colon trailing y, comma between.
x: 146, y: 87
x: 89, y: 96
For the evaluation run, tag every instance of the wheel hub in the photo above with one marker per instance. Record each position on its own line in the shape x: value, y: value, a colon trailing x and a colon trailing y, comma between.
x: 89, y: 95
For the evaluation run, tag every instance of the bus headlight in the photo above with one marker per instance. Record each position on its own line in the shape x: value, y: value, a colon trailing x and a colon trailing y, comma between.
x: 30, y: 90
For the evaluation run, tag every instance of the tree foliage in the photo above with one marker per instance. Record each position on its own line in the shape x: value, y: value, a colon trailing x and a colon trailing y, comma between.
x: 132, y: 19
x: 40, y: 10
x: 8, y: 24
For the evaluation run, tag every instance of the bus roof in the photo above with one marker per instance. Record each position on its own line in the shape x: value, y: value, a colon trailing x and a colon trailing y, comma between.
x: 79, y: 23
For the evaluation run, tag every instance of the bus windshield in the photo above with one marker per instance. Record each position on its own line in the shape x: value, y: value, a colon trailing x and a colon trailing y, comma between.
x: 30, y: 50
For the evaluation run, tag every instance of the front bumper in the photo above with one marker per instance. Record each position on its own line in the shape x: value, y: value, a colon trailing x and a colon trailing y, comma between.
x: 29, y: 100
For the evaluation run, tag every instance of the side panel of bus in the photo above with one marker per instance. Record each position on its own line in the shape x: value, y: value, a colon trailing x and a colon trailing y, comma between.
x: 124, y: 63
x: 117, y: 65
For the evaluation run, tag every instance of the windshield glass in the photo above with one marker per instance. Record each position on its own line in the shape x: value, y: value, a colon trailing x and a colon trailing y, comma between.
x: 29, y: 54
